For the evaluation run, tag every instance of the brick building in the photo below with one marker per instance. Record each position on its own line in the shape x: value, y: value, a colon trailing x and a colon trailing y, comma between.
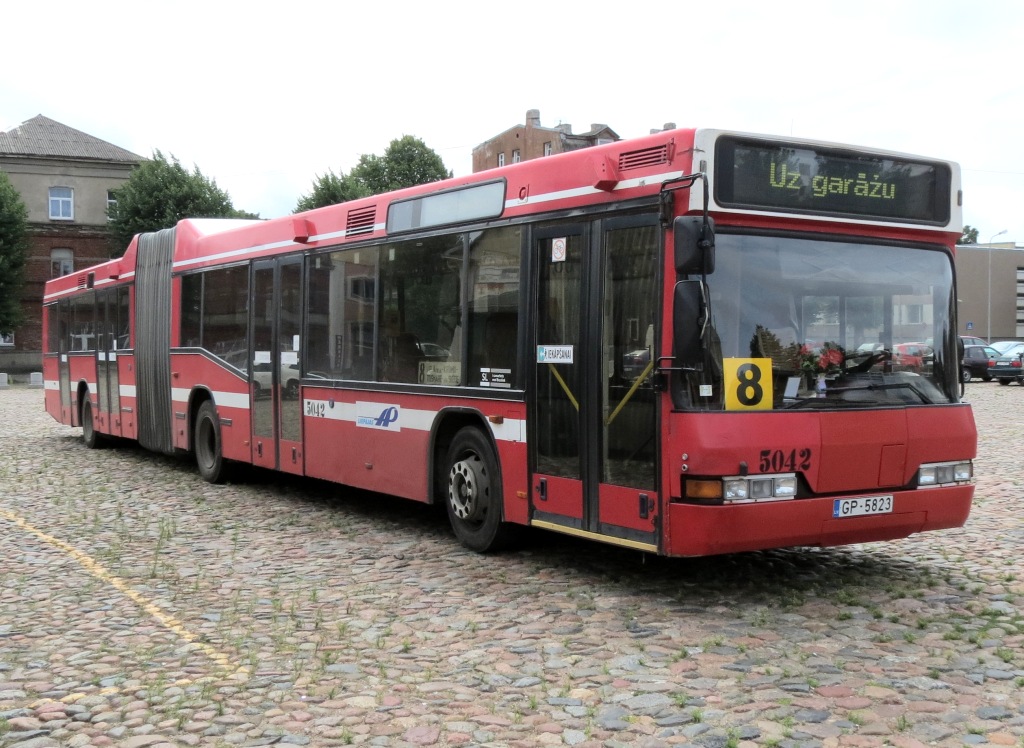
x: 531, y: 140
x: 66, y: 179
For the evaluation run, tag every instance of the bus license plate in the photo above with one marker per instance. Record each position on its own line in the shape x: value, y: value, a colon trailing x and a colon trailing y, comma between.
x: 861, y: 506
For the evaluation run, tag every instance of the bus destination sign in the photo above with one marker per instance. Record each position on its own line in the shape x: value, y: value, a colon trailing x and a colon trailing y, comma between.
x: 766, y: 175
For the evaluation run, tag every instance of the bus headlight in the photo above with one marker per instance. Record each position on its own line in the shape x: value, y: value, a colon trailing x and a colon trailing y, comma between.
x: 735, y: 489
x: 741, y: 489
x: 945, y: 473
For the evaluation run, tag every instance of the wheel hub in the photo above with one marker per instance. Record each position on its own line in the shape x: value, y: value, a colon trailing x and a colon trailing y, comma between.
x: 467, y: 487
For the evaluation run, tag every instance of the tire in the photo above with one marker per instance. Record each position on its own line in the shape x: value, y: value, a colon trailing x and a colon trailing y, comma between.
x: 473, y: 494
x: 1004, y: 381
x: 986, y: 377
x: 90, y: 437
x: 291, y: 389
x: 207, y: 445
x: 965, y: 376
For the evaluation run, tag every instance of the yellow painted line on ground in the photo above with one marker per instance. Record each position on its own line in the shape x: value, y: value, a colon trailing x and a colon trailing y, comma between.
x: 169, y: 622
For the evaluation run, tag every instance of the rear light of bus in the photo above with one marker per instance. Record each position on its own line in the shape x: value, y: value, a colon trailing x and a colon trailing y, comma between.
x: 945, y: 474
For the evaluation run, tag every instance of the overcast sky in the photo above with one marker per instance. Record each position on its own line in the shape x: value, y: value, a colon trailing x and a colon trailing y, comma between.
x: 264, y: 96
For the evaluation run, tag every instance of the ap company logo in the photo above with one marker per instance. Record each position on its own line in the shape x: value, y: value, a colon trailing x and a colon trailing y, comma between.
x: 378, y: 416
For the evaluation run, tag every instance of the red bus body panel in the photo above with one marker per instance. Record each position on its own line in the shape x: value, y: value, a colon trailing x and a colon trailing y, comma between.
x: 194, y: 372
x: 394, y: 458
x: 850, y: 453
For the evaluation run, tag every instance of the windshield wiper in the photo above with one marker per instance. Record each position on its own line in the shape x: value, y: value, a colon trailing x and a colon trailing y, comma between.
x: 820, y: 403
x: 886, y: 386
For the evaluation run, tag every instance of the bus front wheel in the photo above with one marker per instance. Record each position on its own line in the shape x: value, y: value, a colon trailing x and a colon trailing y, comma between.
x: 474, y: 496
x: 209, y: 458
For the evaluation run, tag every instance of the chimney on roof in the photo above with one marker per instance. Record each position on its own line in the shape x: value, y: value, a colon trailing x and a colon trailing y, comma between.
x: 667, y: 126
x: 533, y: 117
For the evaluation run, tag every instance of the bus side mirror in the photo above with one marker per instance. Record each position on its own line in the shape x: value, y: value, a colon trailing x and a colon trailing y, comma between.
x: 694, y: 245
x: 688, y: 321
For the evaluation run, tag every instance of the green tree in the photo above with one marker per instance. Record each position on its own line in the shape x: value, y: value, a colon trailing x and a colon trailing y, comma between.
x: 970, y: 236
x: 13, y: 253
x: 406, y: 162
x: 158, y: 194
x: 331, y: 189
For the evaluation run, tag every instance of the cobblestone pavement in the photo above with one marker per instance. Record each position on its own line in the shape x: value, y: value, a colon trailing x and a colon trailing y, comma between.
x: 140, y: 606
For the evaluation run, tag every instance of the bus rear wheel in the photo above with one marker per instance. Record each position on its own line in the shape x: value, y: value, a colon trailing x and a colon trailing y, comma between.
x: 209, y: 458
x: 90, y: 437
x: 474, y: 496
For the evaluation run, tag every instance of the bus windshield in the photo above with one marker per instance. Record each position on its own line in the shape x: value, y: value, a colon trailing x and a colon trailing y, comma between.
x: 840, y: 324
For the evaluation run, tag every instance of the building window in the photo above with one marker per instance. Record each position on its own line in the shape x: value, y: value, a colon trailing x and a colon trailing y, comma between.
x: 62, y: 204
x: 62, y: 262
x: 501, y: 159
x: 547, y: 149
x: 1020, y: 303
x: 515, y: 156
x: 111, y: 202
x: 6, y: 339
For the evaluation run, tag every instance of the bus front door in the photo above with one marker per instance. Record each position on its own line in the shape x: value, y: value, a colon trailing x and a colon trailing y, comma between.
x: 594, y: 411
x: 274, y: 365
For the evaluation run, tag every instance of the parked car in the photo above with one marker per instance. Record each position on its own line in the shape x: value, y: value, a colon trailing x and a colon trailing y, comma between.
x: 973, y: 340
x: 635, y: 362
x: 912, y: 356
x: 1009, y: 367
x: 1004, y: 345
x: 262, y: 379
x: 434, y: 352
x: 978, y: 361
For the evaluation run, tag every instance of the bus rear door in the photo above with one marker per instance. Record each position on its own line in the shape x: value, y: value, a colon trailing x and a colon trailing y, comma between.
x: 274, y: 364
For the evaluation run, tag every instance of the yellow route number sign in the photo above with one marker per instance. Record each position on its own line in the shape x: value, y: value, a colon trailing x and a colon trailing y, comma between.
x: 748, y: 383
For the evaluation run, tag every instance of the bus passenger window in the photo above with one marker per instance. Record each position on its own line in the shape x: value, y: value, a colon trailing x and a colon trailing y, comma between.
x: 341, y: 314
x: 191, y: 310
x: 420, y: 310
x: 494, y: 307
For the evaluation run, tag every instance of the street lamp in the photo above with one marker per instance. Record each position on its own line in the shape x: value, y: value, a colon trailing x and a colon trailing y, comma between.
x: 988, y: 333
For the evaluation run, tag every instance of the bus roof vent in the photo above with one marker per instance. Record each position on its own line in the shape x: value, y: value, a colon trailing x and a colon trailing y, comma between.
x: 360, y: 221
x: 83, y: 280
x: 643, y: 158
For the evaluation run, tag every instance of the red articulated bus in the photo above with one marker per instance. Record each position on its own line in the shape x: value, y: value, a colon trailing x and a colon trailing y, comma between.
x: 680, y: 344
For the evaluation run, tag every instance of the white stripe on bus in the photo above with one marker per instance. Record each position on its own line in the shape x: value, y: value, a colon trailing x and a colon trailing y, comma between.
x: 223, y: 399
x: 509, y: 430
